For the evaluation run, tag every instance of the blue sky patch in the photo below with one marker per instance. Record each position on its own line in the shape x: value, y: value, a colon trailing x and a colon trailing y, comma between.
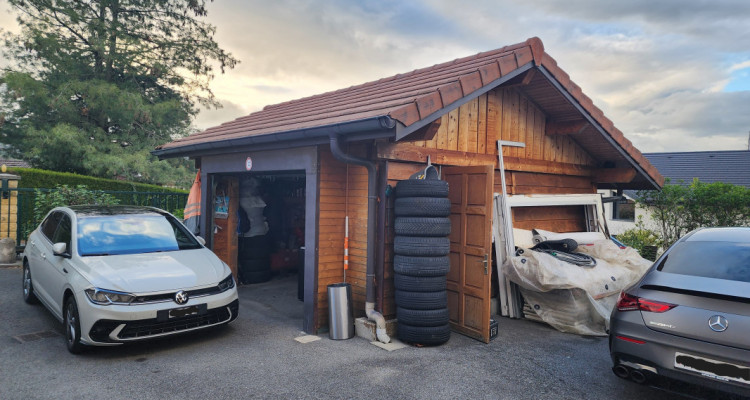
x: 739, y: 81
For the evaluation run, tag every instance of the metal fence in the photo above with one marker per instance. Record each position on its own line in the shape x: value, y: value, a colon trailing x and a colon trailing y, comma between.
x: 21, y: 220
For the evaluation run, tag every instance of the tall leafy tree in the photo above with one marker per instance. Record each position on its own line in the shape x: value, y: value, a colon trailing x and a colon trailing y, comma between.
x: 96, y: 84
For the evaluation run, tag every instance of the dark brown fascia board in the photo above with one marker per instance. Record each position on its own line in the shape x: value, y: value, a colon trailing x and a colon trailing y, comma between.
x: 369, y: 128
x: 403, y: 131
x: 598, y: 126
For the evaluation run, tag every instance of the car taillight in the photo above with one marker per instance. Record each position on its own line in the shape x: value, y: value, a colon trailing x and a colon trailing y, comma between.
x: 628, y: 302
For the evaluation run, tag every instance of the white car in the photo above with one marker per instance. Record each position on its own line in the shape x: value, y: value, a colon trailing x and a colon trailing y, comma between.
x: 117, y: 274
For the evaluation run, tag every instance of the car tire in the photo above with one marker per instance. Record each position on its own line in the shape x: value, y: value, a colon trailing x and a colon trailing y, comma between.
x: 256, y: 264
x: 421, y: 246
x: 72, y: 324
x: 421, y: 300
x: 421, y: 266
x: 28, y: 285
x: 422, y: 207
x: 422, y: 188
x: 411, y: 317
x: 422, y: 226
x: 419, y: 283
x: 424, y: 335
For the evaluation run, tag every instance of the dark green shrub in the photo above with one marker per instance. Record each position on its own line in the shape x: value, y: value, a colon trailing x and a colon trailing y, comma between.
x: 643, y: 240
x: 39, y: 178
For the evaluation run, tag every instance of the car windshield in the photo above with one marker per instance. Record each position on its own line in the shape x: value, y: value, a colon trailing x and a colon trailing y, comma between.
x: 131, y: 234
x: 721, y: 260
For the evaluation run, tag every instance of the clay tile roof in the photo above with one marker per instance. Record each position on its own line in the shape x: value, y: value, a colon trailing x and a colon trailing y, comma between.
x: 409, y: 98
x: 14, y: 163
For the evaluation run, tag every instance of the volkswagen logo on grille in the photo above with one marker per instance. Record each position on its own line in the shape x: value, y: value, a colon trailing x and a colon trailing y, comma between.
x: 181, y: 297
x: 717, y: 323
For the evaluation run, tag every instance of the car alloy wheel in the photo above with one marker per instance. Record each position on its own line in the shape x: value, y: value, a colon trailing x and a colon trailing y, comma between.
x: 28, y: 286
x: 72, y: 326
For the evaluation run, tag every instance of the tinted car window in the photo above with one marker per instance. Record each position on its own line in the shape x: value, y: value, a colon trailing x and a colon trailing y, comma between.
x: 721, y: 260
x: 63, y: 232
x: 131, y: 234
x: 49, y: 225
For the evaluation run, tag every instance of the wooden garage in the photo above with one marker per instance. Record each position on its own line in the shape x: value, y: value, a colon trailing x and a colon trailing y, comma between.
x: 347, y: 149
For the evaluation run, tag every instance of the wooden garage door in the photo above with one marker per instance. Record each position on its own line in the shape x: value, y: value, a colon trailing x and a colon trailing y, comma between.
x: 471, y: 230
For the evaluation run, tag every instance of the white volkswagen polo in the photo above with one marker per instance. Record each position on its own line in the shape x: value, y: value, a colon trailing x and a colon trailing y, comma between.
x: 118, y: 274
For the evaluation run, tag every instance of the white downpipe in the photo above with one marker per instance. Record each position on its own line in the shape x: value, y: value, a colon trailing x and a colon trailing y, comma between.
x: 377, y: 317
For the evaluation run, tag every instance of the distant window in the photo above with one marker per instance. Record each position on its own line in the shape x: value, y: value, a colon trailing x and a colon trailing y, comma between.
x: 624, y: 210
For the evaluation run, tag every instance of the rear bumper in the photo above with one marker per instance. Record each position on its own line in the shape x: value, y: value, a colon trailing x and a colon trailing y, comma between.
x: 658, y: 352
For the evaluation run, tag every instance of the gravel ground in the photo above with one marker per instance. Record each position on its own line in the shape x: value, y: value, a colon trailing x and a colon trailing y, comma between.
x: 257, y: 357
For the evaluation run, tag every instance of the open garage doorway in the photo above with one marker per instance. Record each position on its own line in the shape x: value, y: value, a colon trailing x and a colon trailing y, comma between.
x: 271, y: 227
x: 259, y: 226
x: 260, y: 217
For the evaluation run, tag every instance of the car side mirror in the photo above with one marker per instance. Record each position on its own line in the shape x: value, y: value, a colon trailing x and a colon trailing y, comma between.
x: 61, y: 250
x: 201, y: 240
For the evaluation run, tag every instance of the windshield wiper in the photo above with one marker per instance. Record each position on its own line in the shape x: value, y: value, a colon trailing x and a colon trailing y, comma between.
x: 94, y: 254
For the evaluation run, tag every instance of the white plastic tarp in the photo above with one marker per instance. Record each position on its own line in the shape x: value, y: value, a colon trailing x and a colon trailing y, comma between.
x: 572, y: 298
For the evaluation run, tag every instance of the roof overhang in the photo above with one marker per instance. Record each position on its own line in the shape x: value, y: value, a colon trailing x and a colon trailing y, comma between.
x: 403, y: 131
x: 651, y: 182
x: 370, y: 128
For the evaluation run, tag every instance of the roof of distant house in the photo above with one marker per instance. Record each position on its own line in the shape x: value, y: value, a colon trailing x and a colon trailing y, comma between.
x: 14, y: 163
x: 731, y: 166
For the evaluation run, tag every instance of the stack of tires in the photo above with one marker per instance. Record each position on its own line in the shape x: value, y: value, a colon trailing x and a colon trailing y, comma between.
x: 421, y: 261
x: 254, y: 260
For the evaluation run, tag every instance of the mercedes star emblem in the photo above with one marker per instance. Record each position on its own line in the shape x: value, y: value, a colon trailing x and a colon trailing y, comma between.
x: 717, y: 323
x: 181, y: 297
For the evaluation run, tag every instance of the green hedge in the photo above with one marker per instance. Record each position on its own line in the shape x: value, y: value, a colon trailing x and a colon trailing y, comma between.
x: 39, y: 178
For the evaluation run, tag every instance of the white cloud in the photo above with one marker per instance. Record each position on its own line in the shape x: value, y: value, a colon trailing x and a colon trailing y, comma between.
x: 739, y: 66
x: 658, y: 69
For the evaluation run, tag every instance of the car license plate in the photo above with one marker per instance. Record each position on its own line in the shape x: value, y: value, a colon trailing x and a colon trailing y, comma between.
x: 713, y: 368
x: 188, y: 311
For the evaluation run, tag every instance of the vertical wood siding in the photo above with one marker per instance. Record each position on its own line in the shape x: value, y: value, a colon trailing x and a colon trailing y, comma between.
x: 343, y: 191
x: 475, y: 127
x: 504, y: 114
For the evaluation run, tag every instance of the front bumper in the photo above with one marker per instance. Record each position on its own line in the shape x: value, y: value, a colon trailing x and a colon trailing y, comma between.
x: 117, y: 324
x: 658, y: 352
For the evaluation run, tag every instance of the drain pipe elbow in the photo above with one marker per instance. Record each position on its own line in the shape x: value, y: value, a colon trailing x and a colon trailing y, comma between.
x: 373, y: 315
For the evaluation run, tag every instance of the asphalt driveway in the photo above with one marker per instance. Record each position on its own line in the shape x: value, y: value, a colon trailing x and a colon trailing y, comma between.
x: 257, y: 357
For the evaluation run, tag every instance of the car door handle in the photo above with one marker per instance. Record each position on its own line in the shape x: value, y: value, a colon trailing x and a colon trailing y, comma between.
x: 65, y: 270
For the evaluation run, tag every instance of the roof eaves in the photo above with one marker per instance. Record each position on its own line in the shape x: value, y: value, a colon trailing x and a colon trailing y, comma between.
x: 510, y: 62
x: 381, y: 126
x: 561, y: 81
x: 404, y: 130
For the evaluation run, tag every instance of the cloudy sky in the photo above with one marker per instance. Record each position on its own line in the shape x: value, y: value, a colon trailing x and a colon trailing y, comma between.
x: 674, y: 75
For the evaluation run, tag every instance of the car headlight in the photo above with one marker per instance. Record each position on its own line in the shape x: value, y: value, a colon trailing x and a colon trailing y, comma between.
x: 106, y: 297
x: 227, y: 283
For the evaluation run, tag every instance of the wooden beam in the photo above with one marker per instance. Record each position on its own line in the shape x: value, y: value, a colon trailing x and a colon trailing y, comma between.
x: 425, y: 133
x: 528, y: 77
x: 566, y: 127
x: 545, y: 167
x: 408, y: 152
x: 614, y: 175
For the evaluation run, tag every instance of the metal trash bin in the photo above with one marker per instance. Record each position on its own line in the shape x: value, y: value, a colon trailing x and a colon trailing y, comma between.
x: 340, y: 313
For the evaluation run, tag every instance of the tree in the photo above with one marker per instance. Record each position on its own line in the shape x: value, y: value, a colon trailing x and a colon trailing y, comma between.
x: 679, y: 209
x: 96, y: 84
